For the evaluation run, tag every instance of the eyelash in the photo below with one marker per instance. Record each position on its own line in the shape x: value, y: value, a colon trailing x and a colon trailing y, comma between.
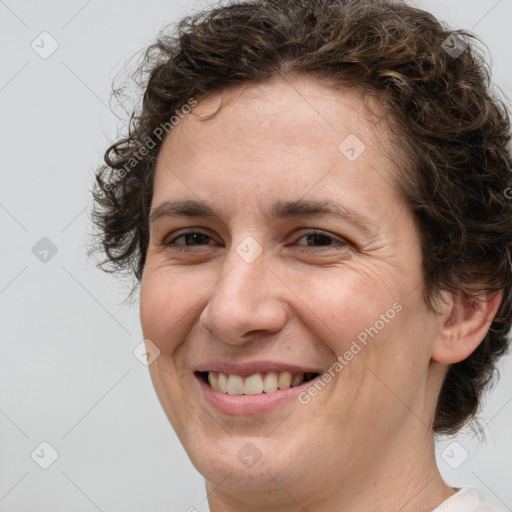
x: 341, y: 243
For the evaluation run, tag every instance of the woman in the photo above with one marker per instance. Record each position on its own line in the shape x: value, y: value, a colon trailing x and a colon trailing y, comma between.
x: 313, y: 198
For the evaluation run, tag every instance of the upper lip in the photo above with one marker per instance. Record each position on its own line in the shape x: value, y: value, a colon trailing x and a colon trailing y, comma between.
x: 249, y: 368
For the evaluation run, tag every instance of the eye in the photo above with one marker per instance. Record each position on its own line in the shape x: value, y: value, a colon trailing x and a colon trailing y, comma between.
x: 322, y: 239
x: 188, y: 238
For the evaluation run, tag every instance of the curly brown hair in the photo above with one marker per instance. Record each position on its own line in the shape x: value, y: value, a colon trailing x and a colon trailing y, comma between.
x: 454, y: 134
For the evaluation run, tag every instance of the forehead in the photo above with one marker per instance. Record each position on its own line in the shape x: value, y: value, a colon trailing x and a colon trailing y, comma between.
x: 285, y: 136
x: 299, y: 108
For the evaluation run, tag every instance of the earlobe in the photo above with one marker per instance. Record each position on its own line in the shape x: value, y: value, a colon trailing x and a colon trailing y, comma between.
x: 466, y: 321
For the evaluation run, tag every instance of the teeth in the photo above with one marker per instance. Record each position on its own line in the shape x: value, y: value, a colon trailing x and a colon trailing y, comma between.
x: 222, y: 383
x: 213, y: 379
x: 235, y: 385
x: 285, y: 380
x: 270, y: 382
x: 254, y: 384
x: 297, y: 379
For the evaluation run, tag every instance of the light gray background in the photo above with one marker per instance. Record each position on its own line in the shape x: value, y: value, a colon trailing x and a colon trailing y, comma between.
x: 67, y: 372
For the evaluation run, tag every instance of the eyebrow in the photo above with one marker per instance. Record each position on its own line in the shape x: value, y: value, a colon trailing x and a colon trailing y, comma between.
x: 279, y: 210
x: 303, y: 207
x: 181, y: 207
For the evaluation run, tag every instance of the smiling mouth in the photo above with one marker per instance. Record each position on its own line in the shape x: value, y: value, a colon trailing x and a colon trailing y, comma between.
x: 255, y: 384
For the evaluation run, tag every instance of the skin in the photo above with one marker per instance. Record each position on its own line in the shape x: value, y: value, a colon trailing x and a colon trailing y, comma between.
x: 364, y: 442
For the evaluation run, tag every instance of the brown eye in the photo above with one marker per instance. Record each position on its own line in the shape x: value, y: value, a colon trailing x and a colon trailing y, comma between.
x: 316, y: 240
x: 191, y: 238
x: 187, y: 239
x: 321, y: 239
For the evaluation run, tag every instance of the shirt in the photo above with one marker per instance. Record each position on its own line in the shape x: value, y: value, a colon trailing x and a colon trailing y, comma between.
x: 465, y: 500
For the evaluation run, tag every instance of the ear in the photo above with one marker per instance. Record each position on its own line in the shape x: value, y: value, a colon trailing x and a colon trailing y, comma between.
x: 465, y: 322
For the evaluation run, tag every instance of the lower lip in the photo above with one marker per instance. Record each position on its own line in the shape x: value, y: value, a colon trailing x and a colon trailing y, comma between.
x: 244, y: 405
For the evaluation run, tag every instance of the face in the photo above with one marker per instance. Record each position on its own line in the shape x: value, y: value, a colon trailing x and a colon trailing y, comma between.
x: 282, y: 255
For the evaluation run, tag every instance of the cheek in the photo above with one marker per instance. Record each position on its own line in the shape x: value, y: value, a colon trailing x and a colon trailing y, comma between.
x: 346, y: 305
x: 372, y: 320
x: 165, y: 302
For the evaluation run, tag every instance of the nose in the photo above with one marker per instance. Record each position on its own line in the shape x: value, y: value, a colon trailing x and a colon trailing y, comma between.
x: 245, y: 303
